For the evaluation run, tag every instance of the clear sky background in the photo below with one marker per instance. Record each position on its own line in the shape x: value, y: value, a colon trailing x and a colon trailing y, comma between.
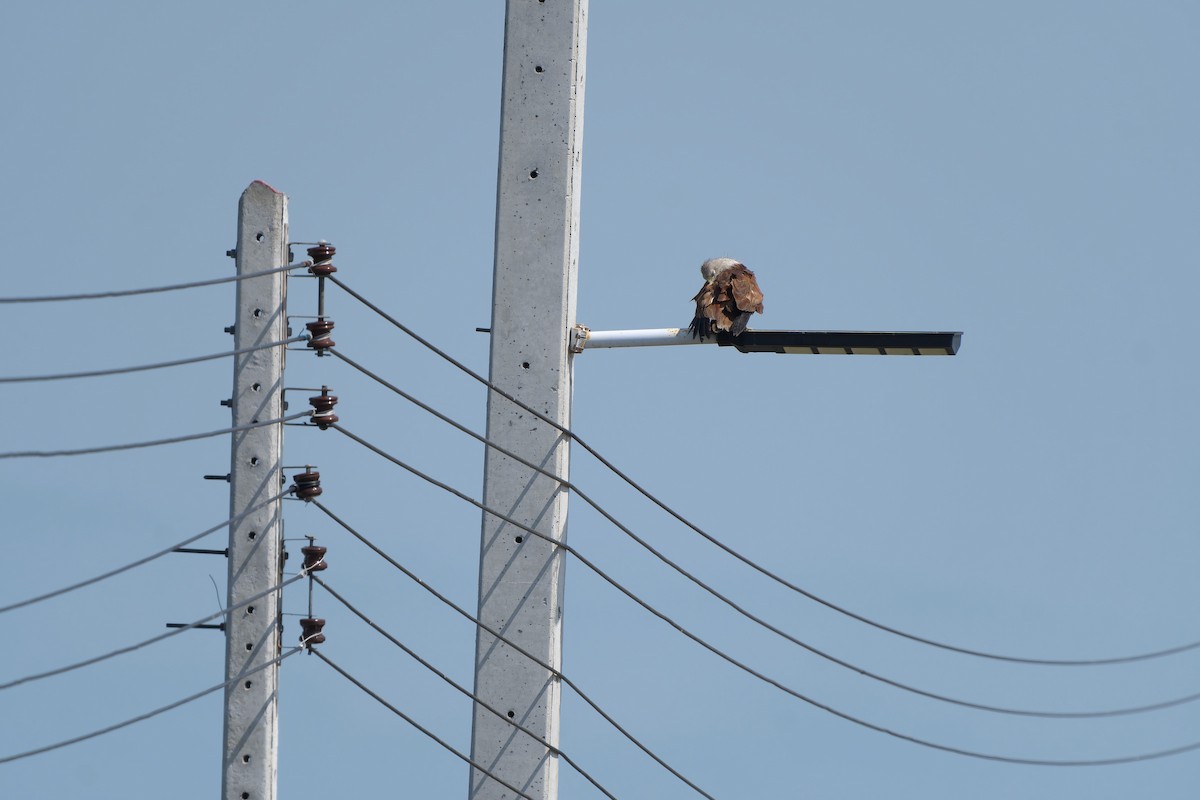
x: 1024, y: 172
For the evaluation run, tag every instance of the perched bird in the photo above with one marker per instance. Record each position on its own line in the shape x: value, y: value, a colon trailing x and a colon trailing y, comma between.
x: 729, y: 297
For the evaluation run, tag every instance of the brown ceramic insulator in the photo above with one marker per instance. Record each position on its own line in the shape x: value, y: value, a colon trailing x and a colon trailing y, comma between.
x: 320, y: 330
x: 321, y: 255
x: 311, y: 631
x: 314, y: 558
x: 308, y: 485
x: 323, y: 404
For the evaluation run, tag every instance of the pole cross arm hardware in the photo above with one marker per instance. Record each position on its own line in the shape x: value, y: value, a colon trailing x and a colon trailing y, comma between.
x: 881, y: 343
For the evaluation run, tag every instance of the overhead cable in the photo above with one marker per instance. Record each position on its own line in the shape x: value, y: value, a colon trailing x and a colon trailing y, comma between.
x: 513, y: 645
x: 500, y: 715
x: 83, y: 451
x: 96, y: 373
x: 149, y: 714
x: 53, y: 298
x: 750, y: 670
x: 153, y: 640
x: 113, y: 572
x: 569, y: 485
x: 446, y: 745
x: 1077, y: 662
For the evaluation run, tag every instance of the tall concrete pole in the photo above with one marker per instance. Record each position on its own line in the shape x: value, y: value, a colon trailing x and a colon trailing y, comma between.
x: 255, y: 563
x: 533, y: 312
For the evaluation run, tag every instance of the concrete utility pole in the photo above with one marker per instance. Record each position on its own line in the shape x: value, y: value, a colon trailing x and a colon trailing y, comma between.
x: 255, y: 551
x: 537, y: 249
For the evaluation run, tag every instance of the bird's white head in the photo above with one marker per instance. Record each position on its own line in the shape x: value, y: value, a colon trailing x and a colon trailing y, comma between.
x: 709, y: 269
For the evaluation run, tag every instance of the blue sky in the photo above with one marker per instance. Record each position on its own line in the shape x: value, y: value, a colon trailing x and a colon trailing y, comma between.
x: 1023, y: 172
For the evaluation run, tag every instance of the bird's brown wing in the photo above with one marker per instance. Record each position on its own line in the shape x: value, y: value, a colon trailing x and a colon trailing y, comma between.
x: 723, y: 309
x: 744, y: 289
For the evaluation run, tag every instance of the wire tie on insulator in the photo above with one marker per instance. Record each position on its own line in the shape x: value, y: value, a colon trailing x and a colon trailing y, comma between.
x: 307, y: 484
x: 322, y: 259
x: 314, y: 558
x: 323, y: 404
x: 319, y: 331
x: 310, y: 628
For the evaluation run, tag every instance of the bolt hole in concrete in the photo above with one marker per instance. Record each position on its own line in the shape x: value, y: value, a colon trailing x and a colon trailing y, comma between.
x: 254, y: 461
x: 512, y: 714
x: 524, y: 365
x: 251, y: 535
x: 245, y: 759
x: 538, y: 68
x: 533, y: 174
x: 249, y: 609
x: 258, y: 312
x: 258, y: 237
x: 249, y: 684
x: 520, y: 539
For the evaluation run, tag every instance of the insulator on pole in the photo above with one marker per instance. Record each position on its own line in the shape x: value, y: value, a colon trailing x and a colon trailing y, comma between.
x: 323, y: 404
x: 322, y: 255
x: 314, y: 558
x: 311, y: 631
x: 307, y: 485
x: 321, y: 266
x: 319, y: 331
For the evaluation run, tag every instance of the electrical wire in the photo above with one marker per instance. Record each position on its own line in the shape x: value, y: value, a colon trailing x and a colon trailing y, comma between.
x: 113, y: 572
x: 278, y: 659
x: 53, y: 298
x: 569, y: 485
x: 153, y: 640
x: 154, y: 443
x: 750, y: 670
x: 500, y: 715
x: 483, y: 626
x: 447, y: 746
x: 62, y: 376
x: 1169, y: 651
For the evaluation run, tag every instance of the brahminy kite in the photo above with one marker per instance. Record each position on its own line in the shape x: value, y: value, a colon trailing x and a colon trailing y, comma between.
x: 729, y: 297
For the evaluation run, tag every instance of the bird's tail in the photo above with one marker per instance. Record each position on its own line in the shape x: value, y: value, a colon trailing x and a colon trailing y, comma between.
x: 739, y: 324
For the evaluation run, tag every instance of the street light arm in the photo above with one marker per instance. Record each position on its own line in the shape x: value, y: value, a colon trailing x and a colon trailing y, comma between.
x: 884, y: 343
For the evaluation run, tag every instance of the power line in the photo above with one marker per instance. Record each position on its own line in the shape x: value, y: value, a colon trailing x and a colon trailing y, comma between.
x: 513, y: 645
x: 53, y: 298
x: 463, y: 690
x: 750, y: 670
x: 736, y: 554
x: 152, y: 640
x: 149, y: 714
x: 154, y: 443
x: 447, y: 746
x: 113, y: 572
x: 566, y: 484
x: 96, y: 373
